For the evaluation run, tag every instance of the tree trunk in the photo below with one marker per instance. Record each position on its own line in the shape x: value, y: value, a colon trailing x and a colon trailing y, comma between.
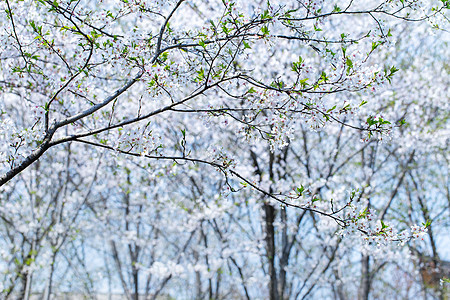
x: 284, y: 255
x: 270, y: 250
x: 364, y: 287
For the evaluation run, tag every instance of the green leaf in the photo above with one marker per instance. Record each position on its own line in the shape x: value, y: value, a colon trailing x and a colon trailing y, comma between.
x: 265, y: 30
x: 304, y: 82
x: 349, y: 63
x: 375, y: 45
x: 389, y: 33
x: 300, y: 190
x: 265, y: 15
x: 331, y: 109
x: 201, y: 75
x: 427, y: 223
x: 370, y: 121
x: 393, y: 70
x: 225, y: 29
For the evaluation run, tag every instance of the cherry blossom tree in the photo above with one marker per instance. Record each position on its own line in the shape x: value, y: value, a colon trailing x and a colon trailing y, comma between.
x: 217, y: 149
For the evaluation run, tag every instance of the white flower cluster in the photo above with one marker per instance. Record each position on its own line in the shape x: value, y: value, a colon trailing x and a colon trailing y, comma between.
x: 138, y: 140
x: 314, y: 5
x: 16, y: 144
x: 218, y: 156
x: 363, y: 223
